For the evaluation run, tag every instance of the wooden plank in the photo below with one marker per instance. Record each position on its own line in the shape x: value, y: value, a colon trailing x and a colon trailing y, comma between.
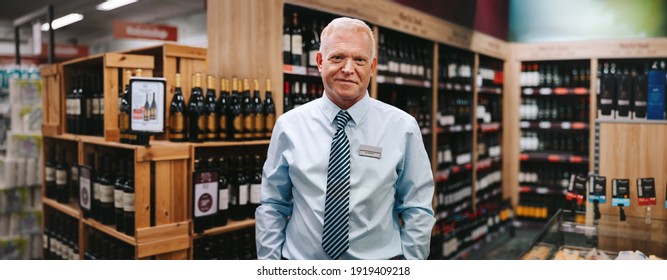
x: 489, y: 45
x: 169, y: 71
x: 142, y: 194
x: 162, y: 150
x: 83, y: 59
x: 48, y: 70
x: 366, y: 10
x: 110, y: 231
x: 118, y: 60
x: 231, y: 226
x: 511, y: 132
x: 230, y: 143
x: 630, y: 151
x: 156, y: 233
x: 111, y: 89
x: 71, y: 209
x: 256, y: 29
x: 179, y: 188
x: 163, y: 195
x: 623, y: 48
x: 174, y: 50
x: 50, y: 130
x: 177, y: 255
x: 166, y: 245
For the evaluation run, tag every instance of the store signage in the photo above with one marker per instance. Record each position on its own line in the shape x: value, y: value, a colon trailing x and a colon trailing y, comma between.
x: 136, y: 30
x: 66, y: 50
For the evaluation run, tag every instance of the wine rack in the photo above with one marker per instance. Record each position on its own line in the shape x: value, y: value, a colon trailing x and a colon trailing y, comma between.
x: 554, y: 142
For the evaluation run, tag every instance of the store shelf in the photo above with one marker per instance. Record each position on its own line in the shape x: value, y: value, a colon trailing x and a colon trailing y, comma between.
x: 632, y: 121
x: 554, y: 125
x: 481, y: 242
x: 443, y: 175
x: 545, y: 190
x: 110, y: 231
x: 455, y: 87
x: 490, y: 127
x: 71, y: 209
x: 300, y: 70
x: 486, y: 163
x: 455, y: 128
x: 391, y: 80
x: 230, y: 143
x: 453, y: 209
x: 488, y: 193
x: 490, y: 90
x: 553, y: 157
x: 554, y: 91
x: 64, y: 136
x: 231, y: 226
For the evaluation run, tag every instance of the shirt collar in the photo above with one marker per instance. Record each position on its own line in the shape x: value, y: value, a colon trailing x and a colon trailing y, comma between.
x: 357, y: 111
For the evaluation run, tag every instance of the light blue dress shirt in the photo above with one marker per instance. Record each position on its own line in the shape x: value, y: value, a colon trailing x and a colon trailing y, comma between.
x: 290, y: 219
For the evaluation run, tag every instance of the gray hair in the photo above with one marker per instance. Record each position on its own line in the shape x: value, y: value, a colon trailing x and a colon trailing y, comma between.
x: 347, y: 24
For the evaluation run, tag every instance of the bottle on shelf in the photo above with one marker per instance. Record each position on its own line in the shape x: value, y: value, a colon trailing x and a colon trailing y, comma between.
x: 205, y: 195
x: 177, y: 113
x: 106, y: 189
x: 313, y: 44
x: 74, y: 178
x: 124, y: 110
x: 210, y: 112
x: 222, y: 108
x: 128, y: 200
x: 100, y: 172
x: 296, y: 40
x: 287, y: 98
x: 235, y: 117
x: 70, y: 108
x: 287, y: 42
x: 258, y: 111
x: 238, y: 192
x: 62, y: 190
x: 223, y: 193
x: 87, y: 123
x: 87, y: 187
x: 248, y: 112
x: 118, y: 195
x: 255, y: 184
x: 50, y: 174
x: 81, y: 108
x: 269, y: 111
x: 98, y: 105
x: 196, y: 118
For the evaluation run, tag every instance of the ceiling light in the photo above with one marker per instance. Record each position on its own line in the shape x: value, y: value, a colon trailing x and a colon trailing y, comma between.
x: 112, y: 4
x: 62, y: 21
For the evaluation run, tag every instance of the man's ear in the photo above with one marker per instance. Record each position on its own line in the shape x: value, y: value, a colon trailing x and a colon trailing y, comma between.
x: 373, y: 65
x: 318, y: 59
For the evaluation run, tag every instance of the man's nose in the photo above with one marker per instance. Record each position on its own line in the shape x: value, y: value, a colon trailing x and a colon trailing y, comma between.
x: 348, y: 67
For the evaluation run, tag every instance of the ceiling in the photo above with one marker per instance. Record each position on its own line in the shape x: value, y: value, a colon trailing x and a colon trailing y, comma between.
x: 98, y: 23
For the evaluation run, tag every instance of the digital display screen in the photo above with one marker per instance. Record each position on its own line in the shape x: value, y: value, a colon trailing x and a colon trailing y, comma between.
x: 147, y: 102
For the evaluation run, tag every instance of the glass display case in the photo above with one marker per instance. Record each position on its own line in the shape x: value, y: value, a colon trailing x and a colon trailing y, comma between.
x: 572, y: 236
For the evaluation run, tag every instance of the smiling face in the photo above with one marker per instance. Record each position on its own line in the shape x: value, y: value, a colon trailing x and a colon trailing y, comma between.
x: 346, y: 65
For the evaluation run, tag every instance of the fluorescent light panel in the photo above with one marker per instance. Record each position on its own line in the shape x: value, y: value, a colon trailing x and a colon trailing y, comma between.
x: 113, y: 4
x: 63, y: 21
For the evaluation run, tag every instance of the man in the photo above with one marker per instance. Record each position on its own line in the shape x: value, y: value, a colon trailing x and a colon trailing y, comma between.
x: 346, y: 176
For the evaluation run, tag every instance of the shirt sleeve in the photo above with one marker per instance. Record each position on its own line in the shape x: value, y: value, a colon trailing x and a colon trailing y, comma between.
x: 414, y: 197
x: 276, y: 198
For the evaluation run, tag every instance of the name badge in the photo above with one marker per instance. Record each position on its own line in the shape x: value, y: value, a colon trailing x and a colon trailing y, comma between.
x: 370, y: 151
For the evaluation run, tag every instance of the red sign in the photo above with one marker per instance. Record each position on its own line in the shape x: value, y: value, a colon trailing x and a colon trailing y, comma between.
x: 126, y: 29
x: 65, y: 51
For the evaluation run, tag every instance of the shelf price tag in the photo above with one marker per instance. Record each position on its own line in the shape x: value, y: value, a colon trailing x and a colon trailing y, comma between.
x: 597, y: 189
x: 381, y: 79
x: 646, y: 191
x: 620, y: 192
x: 525, y: 124
x: 576, y: 189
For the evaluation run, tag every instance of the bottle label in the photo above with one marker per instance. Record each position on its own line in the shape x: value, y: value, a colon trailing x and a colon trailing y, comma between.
x: 106, y: 193
x: 61, y: 177
x: 206, y: 193
x: 210, y: 122
x: 118, y: 198
x: 75, y: 172
x: 45, y: 241
x: 243, y: 195
x: 201, y: 123
x: 101, y: 105
x: 84, y: 188
x: 177, y: 123
x: 128, y: 202
x: 224, y: 199
x: 312, y: 58
x: 238, y: 127
x: 123, y: 121
x: 223, y: 126
x: 96, y: 191
x: 270, y: 122
x: 255, y: 190
x: 296, y: 45
x: 286, y: 43
x: 259, y: 124
x: 96, y: 106
x: 50, y: 175
x: 89, y: 107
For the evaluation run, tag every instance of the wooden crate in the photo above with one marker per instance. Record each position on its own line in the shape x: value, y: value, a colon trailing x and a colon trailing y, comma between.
x: 112, y: 66
x: 171, y: 59
x: 51, y: 101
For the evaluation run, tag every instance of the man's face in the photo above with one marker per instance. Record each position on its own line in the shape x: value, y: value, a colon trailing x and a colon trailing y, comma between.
x: 346, y: 67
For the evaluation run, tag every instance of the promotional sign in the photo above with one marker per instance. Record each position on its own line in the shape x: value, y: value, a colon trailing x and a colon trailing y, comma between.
x: 620, y: 192
x: 136, y: 30
x: 577, y: 188
x: 597, y: 189
x: 206, y: 193
x: 646, y: 191
x: 147, y: 102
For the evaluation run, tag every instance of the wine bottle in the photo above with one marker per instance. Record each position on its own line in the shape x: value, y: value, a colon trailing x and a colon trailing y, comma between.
x: 118, y: 196
x: 269, y: 111
x: 258, y: 110
x: 205, y: 196
x: 99, y: 97
x: 236, y: 180
x: 210, y: 112
x: 50, y: 174
x: 297, y: 40
x: 287, y: 42
x: 69, y: 106
x: 222, y: 108
x: 255, y: 182
x: 177, y: 111
x: 107, y: 193
x: 287, y: 98
x: 124, y: 111
x: 235, y: 117
x: 87, y: 95
x: 313, y: 45
x: 147, y: 110
x: 639, y: 96
x: 80, y: 107
x: 86, y: 187
x: 99, y: 173
x: 74, y: 179
x: 196, y: 111
x: 62, y: 193
x: 296, y: 95
x: 624, y: 87
x: 128, y: 201
x: 223, y: 194
x: 248, y: 112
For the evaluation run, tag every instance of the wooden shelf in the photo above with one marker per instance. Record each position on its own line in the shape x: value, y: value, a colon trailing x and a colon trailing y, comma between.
x: 545, y: 190
x: 64, y: 136
x: 230, y: 143
x: 71, y: 209
x: 539, y: 91
x: 554, y: 125
x: 110, y: 231
x: 491, y: 90
x: 455, y: 87
x: 553, y: 157
x: 231, y: 226
x: 391, y: 80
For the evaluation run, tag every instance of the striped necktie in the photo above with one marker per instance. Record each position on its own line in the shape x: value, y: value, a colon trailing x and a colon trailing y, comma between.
x: 335, y: 240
